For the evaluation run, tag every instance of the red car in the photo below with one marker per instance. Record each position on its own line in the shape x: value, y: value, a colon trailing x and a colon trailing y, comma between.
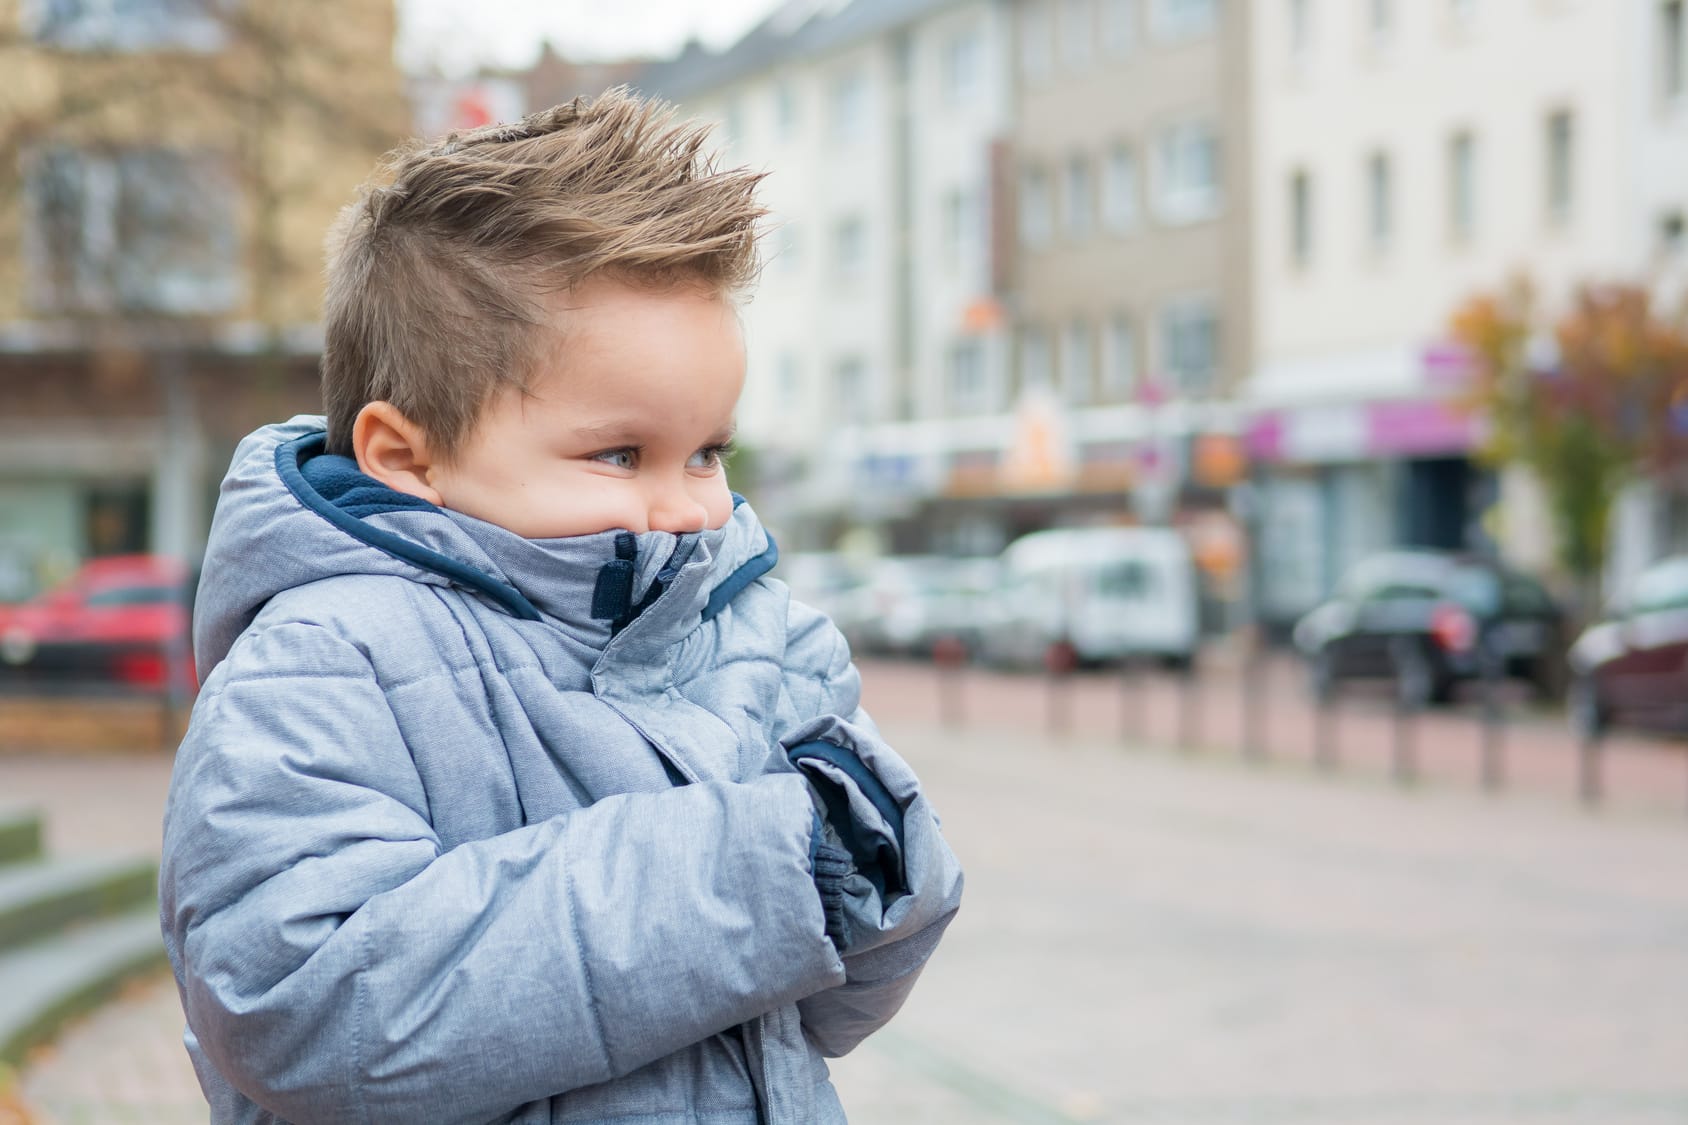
x: 120, y: 622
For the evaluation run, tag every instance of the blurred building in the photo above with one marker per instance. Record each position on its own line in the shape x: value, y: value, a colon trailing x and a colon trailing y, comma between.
x: 170, y: 171
x: 1130, y: 289
x: 1406, y: 156
x: 444, y: 103
x: 1003, y: 287
x: 880, y: 123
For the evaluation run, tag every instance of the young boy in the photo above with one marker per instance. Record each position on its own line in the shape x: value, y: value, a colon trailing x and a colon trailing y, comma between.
x: 516, y: 791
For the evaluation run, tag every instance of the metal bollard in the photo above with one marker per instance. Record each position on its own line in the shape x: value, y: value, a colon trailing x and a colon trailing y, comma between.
x: 1403, y: 756
x: 1132, y: 688
x: 1494, y: 721
x: 1060, y: 660
x: 1189, y: 700
x: 1253, y: 711
x: 1588, y: 770
x: 949, y: 659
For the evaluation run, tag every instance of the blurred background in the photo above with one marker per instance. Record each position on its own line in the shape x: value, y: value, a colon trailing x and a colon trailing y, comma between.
x: 1299, y: 283
x: 1156, y: 370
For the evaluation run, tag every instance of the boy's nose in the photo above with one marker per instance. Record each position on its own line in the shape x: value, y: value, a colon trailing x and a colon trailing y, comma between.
x: 675, y: 511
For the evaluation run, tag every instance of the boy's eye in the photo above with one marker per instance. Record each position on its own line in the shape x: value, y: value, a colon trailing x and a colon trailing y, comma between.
x: 620, y: 458
x: 709, y: 457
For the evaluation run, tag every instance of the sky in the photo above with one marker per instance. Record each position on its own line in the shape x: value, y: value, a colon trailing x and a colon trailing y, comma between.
x: 459, y: 36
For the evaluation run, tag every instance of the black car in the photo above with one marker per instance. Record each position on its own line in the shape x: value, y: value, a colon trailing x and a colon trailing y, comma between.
x: 1632, y: 667
x: 1427, y: 620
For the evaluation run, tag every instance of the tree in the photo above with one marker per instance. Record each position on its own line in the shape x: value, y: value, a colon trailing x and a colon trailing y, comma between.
x: 1589, y: 402
x: 175, y: 163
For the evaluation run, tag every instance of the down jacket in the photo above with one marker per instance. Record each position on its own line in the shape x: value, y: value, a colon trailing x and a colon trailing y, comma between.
x: 473, y: 828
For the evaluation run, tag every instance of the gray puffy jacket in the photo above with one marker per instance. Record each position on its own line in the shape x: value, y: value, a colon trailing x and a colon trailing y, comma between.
x: 474, y: 828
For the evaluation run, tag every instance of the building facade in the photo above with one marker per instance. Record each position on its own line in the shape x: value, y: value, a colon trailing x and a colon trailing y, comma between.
x: 1006, y: 282
x: 876, y: 122
x: 1407, y: 156
x: 169, y: 175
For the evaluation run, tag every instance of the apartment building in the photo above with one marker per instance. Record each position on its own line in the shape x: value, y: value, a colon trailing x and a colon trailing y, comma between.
x: 876, y: 123
x: 168, y: 176
x: 1408, y: 155
x: 1129, y: 292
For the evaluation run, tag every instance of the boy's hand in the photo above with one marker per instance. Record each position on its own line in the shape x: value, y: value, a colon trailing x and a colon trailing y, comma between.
x: 830, y: 862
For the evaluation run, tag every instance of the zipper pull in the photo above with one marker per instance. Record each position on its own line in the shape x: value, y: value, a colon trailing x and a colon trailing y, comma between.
x: 612, y: 595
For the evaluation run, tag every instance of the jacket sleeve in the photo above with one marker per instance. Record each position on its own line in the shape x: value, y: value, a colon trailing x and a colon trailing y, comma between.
x: 894, y: 915
x: 338, y: 965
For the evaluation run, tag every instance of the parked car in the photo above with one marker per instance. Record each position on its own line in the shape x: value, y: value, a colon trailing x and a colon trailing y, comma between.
x: 1102, y: 593
x: 949, y: 604
x: 121, y: 622
x: 822, y: 579
x: 1632, y: 667
x: 1428, y: 620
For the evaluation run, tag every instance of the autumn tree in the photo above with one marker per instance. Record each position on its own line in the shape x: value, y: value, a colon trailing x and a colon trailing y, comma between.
x: 1588, y: 401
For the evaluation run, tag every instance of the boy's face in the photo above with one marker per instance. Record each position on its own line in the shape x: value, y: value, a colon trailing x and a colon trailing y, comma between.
x: 623, y: 425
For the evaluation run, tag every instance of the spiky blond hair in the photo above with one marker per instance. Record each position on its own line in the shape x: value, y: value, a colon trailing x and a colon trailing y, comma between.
x: 437, y: 272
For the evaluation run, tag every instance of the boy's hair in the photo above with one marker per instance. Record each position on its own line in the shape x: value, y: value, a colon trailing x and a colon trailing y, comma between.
x: 436, y: 276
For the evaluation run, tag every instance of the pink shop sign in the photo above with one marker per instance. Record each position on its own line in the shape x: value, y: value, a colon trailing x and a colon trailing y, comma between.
x: 1420, y: 429
x: 1363, y: 431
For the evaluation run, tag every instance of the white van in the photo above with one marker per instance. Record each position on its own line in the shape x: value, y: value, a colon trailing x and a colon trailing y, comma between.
x: 1109, y: 592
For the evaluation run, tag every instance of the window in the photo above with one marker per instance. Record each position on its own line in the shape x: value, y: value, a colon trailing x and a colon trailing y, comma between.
x: 144, y: 230
x: 1300, y: 28
x: 1036, y: 220
x: 849, y: 106
x: 962, y: 227
x: 1187, y: 167
x: 1079, y: 206
x: 1119, y: 189
x: 1300, y: 217
x: 789, y: 256
x: 1380, y: 21
x: 1183, y: 19
x: 1078, y: 31
x: 1037, y: 53
x: 961, y: 65
x: 1561, y: 168
x: 1190, y: 345
x: 1673, y: 50
x: 1673, y: 233
x: 732, y: 122
x: 968, y: 389
x: 1380, y: 201
x: 1119, y: 361
x: 1462, y: 186
x: 789, y: 379
x: 129, y: 25
x: 1036, y: 370
x: 849, y: 246
x: 849, y: 389
x: 785, y: 110
x: 1119, y: 26
x: 1078, y: 363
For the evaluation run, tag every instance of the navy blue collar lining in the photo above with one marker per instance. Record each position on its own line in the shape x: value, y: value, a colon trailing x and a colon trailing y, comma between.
x: 289, y: 454
x: 740, y: 578
x: 287, y: 457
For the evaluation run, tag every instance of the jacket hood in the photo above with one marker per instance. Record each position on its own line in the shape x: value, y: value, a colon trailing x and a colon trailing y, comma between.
x: 289, y: 514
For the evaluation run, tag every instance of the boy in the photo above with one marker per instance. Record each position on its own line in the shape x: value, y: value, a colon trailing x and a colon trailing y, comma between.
x: 515, y: 792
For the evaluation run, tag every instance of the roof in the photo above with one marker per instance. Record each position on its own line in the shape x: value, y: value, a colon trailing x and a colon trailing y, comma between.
x: 796, y: 31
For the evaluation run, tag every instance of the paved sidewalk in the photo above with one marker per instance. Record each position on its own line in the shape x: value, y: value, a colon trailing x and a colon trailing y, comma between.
x: 1154, y: 938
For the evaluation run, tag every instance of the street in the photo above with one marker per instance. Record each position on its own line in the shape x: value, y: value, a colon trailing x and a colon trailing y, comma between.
x: 1152, y: 936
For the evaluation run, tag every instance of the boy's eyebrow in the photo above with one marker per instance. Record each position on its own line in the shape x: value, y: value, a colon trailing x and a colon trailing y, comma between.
x: 625, y: 432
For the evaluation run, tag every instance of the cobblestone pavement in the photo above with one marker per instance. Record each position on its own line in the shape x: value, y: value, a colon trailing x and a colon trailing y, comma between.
x: 1149, y: 937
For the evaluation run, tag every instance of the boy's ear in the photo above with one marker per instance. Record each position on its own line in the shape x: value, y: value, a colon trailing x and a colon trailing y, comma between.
x: 392, y: 449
